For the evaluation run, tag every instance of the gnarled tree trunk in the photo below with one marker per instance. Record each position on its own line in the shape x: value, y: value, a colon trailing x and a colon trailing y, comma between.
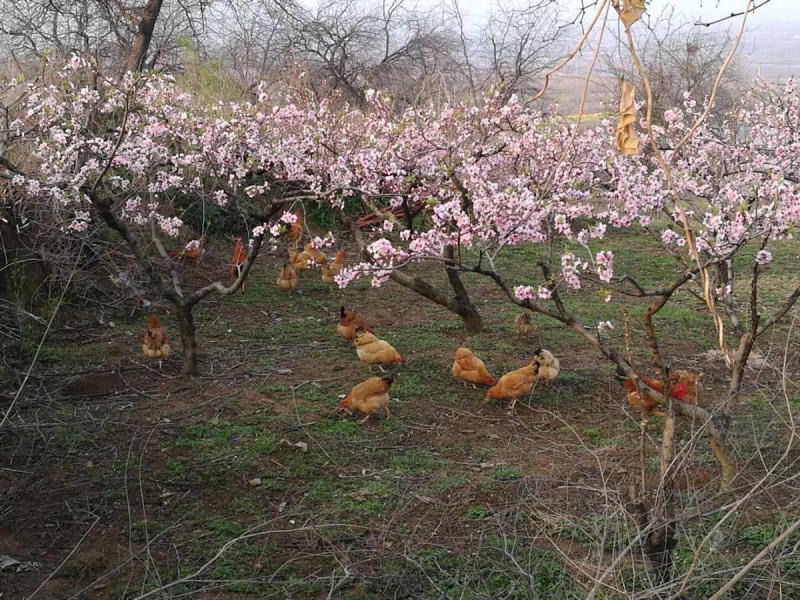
x: 144, y: 35
x: 465, y: 309
x: 188, y: 340
x: 459, y: 303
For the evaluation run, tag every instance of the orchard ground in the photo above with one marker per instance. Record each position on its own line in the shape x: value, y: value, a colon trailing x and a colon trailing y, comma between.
x: 120, y: 479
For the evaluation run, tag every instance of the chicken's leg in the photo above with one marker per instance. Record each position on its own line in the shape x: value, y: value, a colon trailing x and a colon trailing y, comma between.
x: 513, y: 402
x: 388, y: 414
x: 382, y: 369
x: 364, y: 420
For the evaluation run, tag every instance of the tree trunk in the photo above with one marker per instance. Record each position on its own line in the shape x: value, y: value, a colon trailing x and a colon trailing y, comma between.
x: 144, y: 35
x: 459, y: 304
x: 189, y: 341
x: 465, y: 309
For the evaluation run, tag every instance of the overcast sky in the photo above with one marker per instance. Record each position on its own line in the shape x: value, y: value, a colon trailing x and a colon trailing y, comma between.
x: 707, y: 10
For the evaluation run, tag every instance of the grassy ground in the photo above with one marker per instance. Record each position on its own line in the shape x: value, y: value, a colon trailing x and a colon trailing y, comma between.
x: 122, y: 479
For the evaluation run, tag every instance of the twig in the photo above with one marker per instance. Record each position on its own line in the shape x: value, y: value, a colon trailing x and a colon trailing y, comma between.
x: 774, y: 544
x: 63, y: 562
x: 44, y: 337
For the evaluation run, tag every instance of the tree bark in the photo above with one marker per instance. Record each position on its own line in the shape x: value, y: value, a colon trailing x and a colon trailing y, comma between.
x: 188, y: 340
x: 466, y: 310
x: 144, y: 35
x: 459, y: 304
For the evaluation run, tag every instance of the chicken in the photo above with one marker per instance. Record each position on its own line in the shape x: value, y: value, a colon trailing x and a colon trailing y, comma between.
x: 238, y: 259
x: 315, y: 254
x: 469, y: 367
x: 515, y: 384
x: 691, y: 382
x: 295, y: 229
x: 683, y: 386
x: 154, y: 343
x: 373, y: 351
x: 650, y: 406
x: 195, y: 253
x: 548, y: 365
x: 369, y: 397
x: 298, y: 260
x: 543, y: 367
x: 348, y: 323
x: 522, y: 325
x: 287, y: 278
x: 330, y: 271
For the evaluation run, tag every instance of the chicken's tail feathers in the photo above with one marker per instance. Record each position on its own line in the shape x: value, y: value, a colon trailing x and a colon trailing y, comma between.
x: 341, y: 312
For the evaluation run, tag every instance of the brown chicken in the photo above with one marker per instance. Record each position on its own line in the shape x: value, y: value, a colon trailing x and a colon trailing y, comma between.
x: 238, y: 259
x: 369, y: 397
x: 287, y: 278
x: 469, y: 367
x: 299, y: 261
x: 514, y: 385
x: 522, y: 325
x: 195, y: 254
x: 295, y: 230
x: 330, y: 271
x: 548, y: 366
x: 154, y: 343
x: 373, y: 351
x: 683, y: 386
x: 543, y: 367
x: 348, y: 323
x: 315, y: 254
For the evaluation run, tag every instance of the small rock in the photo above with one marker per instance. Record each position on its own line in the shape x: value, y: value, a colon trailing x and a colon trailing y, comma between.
x: 302, y: 446
x: 89, y: 465
x: 255, y: 482
x: 494, y: 436
x: 361, y: 495
x: 284, y: 371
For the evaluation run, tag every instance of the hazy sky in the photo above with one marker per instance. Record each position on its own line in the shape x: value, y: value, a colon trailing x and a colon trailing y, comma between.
x: 707, y: 10
x: 710, y: 9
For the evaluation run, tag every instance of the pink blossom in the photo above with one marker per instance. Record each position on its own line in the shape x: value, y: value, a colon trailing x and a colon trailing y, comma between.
x: 524, y: 292
x: 605, y: 265
x: 604, y: 325
x: 764, y: 257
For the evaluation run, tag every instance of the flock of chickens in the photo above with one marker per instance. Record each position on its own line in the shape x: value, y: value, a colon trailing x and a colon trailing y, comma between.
x: 372, y: 396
